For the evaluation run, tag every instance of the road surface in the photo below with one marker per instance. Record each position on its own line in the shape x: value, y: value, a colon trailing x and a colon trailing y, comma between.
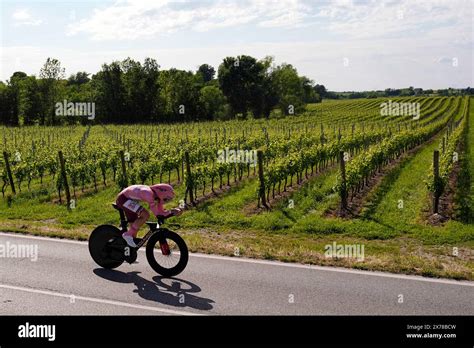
x: 64, y: 280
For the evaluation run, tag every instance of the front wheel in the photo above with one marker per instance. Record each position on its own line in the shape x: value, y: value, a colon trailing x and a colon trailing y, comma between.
x: 170, y: 256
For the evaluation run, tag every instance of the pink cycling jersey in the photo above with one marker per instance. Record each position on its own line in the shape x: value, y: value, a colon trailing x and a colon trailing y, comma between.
x: 145, y: 193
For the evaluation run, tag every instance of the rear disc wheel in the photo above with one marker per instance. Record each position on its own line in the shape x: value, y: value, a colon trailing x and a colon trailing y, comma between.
x: 99, y: 246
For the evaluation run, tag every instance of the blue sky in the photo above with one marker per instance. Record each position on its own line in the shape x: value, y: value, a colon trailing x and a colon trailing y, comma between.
x: 345, y: 45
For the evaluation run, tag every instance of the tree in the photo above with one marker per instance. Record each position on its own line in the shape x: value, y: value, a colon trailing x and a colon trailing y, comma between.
x: 310, y: 95
x: 133, y: 79
x: 212, y: 103
x: 241, y: 82
x: 50, y: 74
x: 265, y: 96
x: 30, y: 101
x: 127, y: 91
x: 418, y: 91
x: 289, y: 88
x: 7, y: 106
x: 151, y: 88
x: 407, y: 92
x: 207, y: 72
x: 13, y: 97
x: 110, y: 93
x: 52, y: 70
x: 389, y: 92
x: 79, y: 78
x: 443, y: 92
x: 179, y: 95
x: 321, y: 90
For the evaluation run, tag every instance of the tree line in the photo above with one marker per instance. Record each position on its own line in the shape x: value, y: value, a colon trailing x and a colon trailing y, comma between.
x: 394, y: 92
x: 129, y: 91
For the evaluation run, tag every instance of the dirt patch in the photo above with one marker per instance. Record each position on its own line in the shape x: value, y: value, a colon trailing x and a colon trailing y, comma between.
x: 49, y: 221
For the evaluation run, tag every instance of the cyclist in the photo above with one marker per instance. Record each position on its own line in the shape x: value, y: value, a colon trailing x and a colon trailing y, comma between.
x: 155, y: 196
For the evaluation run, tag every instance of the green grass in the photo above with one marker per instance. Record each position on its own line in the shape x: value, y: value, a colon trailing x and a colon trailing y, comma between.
x: 403, y: 193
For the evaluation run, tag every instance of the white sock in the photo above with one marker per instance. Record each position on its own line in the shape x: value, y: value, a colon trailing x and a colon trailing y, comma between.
x: 129, y: 240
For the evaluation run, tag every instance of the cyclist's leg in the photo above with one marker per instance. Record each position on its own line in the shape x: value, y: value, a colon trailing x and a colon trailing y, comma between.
x: 141, y: 217
x: 136, y: 217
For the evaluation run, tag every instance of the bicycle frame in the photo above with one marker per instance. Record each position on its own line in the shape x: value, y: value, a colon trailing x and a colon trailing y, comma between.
x: 148, y: 235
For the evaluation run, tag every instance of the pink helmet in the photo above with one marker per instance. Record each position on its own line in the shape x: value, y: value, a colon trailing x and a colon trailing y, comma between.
x: 164, y: 192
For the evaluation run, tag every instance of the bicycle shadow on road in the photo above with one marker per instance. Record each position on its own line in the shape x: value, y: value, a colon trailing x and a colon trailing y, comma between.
x: 170, y: 291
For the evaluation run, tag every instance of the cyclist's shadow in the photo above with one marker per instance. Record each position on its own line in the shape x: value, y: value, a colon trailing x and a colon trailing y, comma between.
x: 169, y: 291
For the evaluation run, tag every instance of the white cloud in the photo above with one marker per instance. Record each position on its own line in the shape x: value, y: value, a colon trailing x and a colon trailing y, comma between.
x: 135, y: 19
x: 388, y: 44
x: 377, y: 18
x: 23, y: 17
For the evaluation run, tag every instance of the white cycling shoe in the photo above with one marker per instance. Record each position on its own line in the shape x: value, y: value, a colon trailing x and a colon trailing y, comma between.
x: 129, y: 240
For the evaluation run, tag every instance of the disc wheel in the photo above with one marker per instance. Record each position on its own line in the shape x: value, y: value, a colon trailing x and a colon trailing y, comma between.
x: 99, y: 246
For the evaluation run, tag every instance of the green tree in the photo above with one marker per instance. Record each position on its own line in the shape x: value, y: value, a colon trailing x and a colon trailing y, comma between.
x: 321, y: 90
x: 241, y: 81
x: 133, y: 79
x: 109, y: 93
x: 13, y: 97
x: 151, y: 88
x: 289, y: 88
x: 207, y: 72
x: 310, y: 95
x: 212, y: 103
x: 265, y: 96
x: 50, y: 88
x: 79, y: 78
x: 30, y: 101
x: 7, y: 104
x: 179, y: 95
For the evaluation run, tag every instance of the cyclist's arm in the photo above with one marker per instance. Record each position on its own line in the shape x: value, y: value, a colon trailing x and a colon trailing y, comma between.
x: 159, y: 210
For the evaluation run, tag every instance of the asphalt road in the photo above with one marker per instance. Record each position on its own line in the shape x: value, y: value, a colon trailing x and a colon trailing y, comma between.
x: 65, y: 280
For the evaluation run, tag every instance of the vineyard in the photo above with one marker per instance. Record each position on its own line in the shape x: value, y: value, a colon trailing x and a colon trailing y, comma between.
x: 337, y: 169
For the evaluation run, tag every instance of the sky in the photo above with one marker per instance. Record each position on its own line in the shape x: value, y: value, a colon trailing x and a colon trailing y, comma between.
x: 346, y: 45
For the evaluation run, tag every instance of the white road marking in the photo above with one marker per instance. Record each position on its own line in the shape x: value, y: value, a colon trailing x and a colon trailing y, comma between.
x: 276, y: 263
x: 46, y: 239
x: 97, y: 300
